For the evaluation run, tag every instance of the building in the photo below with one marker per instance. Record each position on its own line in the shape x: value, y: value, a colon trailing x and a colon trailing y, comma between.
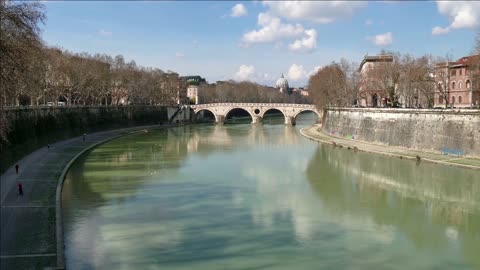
x: 192, y: 93
x: 373, y: 91
x: 192, y: 87
x: 457, y: 84
x: 282, y: 85
x: 300, y: 91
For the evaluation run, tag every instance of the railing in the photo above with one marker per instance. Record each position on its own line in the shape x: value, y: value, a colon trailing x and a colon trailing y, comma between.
x: 295, y: 105
x: 407, y: 110
x: 28, y: 107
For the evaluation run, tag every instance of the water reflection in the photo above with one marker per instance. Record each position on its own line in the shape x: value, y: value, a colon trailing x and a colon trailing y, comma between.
x: 434, y: 206
x: 263, y: 197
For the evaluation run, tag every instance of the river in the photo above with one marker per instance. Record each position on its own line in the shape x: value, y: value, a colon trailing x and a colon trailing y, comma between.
x: 243, y: 196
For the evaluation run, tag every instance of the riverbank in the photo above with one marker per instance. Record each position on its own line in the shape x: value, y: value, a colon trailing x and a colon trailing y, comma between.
x: 314, y: 133
x: 31, y: 231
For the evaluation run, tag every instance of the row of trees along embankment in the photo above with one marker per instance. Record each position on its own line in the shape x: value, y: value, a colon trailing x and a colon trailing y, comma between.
x: 408, y: 81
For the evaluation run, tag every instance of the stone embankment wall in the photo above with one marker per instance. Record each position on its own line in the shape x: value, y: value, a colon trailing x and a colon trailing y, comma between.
x: 32, y: 128
x: 454, y: 132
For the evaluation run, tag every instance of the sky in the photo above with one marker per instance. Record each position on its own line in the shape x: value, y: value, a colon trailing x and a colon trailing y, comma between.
x: 259, y: 40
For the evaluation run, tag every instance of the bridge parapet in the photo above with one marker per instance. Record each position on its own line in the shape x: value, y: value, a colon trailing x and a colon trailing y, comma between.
x: 240, y: 105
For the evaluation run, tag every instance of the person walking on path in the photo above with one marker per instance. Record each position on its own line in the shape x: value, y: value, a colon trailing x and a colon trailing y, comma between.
x: 16, y: 168
x: 48, y: 147
x: 84, y: 135
x: 20, y: 189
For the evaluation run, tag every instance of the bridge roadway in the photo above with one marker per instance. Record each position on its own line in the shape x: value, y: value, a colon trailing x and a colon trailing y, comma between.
x: 256, y: 110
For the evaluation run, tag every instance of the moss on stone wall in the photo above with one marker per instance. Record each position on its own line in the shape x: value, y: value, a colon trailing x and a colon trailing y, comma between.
x: 33, y: 128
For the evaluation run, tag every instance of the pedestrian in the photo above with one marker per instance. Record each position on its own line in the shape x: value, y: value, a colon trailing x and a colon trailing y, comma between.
x: 20, y: 189
x: 84, y: 134
x: 16, y: 168
x: 48, y: 147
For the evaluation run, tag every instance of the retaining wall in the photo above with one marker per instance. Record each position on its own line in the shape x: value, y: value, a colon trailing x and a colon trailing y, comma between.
x: 454, y: 132
x: 32, y: 128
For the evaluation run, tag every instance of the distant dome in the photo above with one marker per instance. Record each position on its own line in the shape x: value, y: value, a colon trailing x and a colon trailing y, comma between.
x: 282, y: 84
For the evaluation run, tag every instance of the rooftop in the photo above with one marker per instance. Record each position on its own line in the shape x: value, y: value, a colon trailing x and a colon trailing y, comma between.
x: 376, y: 58
x: 464, y: 61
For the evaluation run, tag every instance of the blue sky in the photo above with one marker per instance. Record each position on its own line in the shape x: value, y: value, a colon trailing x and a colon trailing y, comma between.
x: 258, y: 40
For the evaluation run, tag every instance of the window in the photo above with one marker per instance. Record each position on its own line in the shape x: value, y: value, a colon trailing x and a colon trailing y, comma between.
x: 460, y: 85
x: 459, y: 99
x: 454, y: 72
x: 440, y: 99
x: 468, y: 83
x: 460, y: 72
x: 453, y: 85
x: 453, y: 99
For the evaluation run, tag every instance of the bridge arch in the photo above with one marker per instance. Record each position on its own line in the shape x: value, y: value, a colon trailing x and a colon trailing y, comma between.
x: 241, y: 109
x: 306, y: 110
x: 262, y: 114
x: 208, y: 110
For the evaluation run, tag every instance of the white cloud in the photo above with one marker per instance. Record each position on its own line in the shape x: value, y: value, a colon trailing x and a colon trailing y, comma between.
x: 278, y: 45
x: 239, y: 10
x: 244, y: 73
x: 296, y: 72
x: 179, y: 55
x: 462, y: 14
x: 382, y: 39
x: 105, y: 33
x: 368, y: 22
x: 306, y: 44
x: 437, y: 30
x: 314, y: 11
x: 314, y: 70
x: 272, y: 30
x: 392, y: 2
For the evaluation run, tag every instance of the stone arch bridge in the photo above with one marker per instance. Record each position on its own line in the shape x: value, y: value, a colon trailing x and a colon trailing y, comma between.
x: 256, y: 110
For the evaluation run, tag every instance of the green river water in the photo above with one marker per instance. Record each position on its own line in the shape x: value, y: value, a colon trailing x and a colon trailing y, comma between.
x: 243, y: 196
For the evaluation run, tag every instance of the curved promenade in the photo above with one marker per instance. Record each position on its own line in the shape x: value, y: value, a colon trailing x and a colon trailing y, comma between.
x: 314, y: 133
x: 31, y: 231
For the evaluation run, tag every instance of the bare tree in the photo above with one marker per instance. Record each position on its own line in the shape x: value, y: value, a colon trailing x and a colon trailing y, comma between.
x: 19, y: 39
x: 476, y: 48
x: 334, y: 85
x: 424, y: 81
x: 19, y: 36
x: 349, y: 89
x: 442, y: 79
x: 415, y: 86
x: 384, y: 78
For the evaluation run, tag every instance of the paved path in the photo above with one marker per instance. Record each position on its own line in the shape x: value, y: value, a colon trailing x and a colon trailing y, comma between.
x: 314, y: 132
x: 28, y: 222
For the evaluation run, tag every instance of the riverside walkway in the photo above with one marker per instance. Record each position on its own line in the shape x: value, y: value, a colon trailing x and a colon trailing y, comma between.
x: 29, y: 222
x: 314, y: 133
